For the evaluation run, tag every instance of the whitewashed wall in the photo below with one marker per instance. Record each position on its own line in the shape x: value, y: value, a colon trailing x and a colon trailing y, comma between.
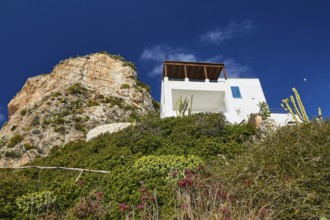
x: 216, y: 97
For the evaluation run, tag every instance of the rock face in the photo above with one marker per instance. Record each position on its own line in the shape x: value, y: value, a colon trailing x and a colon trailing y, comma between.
x: 78, y: 95
x: 109, y: 128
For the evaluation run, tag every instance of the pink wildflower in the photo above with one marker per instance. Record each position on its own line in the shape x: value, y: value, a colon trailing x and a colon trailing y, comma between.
x: 143, y: 189
x: 140, y: 206
x: 123, y: 207
x: 184, y: 206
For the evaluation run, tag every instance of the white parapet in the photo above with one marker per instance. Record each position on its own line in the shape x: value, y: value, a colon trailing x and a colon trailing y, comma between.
x: 281, y: 119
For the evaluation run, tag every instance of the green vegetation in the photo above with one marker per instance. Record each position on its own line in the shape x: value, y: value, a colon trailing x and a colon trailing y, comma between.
x: 295, y: 110
x: 80, y: 127
x: 120, y: 102
x: 29, y: 146
x: 286, y: 175
x: 38, y: 200
x: 23, y: 112
x: 91, y: 103
x: 130, y: 64
x: 204, y: 136
x: 76, y: 89
x: 56, y: 94
x: 13, y: 128
x: 182, y: 106
x: 156, y: 105
x: 13, y: 154
x: 264, y: 111
x: 142, y: 85
x: 17, y: 138
x: 60, y: 130
x: 170, y: 166
x: 2, y: 142
x: 124, y: 86
x: 215, y: 170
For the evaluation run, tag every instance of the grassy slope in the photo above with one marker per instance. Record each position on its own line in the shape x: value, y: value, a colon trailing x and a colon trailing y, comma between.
x: 201, y: 135
x: 284, y: 176
x: 288, y: 173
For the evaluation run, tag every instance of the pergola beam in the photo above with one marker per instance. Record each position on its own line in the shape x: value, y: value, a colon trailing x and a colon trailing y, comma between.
x: 193, y: 70
x: 198, y: 65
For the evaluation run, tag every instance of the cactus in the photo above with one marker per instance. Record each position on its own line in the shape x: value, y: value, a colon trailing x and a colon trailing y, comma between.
x: 182, y: 106
x: 190, y: 108
x: 304, y: 116
x: 288, y: 108
x: 298, y: 110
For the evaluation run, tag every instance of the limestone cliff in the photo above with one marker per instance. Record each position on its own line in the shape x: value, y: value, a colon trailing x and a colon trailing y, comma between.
x: 79, y: 94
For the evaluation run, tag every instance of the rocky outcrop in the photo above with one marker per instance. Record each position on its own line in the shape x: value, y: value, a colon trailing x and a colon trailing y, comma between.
x: 109, y: 128
x: 78, y: 95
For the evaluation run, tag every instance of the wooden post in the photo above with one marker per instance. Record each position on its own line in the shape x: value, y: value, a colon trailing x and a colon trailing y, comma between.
x: 165, y: 66
x: 205, y: 72
x: 224, y: 73
x: 185, y: 72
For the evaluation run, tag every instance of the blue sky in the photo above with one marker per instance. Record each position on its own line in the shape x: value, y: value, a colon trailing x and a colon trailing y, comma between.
x: 280, y: 42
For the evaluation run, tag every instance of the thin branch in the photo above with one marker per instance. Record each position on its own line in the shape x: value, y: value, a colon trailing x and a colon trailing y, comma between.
x: 54, y: 168
x: 79, y: 176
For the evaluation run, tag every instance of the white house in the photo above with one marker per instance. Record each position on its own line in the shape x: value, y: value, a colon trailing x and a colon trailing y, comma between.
x: 237, y: 98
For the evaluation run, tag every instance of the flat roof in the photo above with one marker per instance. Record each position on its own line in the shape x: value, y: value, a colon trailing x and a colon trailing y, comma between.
x: 193, y: 70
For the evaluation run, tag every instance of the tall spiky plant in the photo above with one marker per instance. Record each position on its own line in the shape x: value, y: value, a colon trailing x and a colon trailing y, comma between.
x: 295, y: 110
x: 182, y: 106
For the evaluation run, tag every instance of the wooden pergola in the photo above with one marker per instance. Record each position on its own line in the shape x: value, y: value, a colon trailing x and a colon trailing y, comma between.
x: 193, y: 70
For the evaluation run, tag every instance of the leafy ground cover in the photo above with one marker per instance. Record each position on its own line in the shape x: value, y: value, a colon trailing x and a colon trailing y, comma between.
x: 284, y: 175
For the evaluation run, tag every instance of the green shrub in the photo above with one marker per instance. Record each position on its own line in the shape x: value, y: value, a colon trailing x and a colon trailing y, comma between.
x: 142, y: 85
x: 17, y: 138
x: 56, y: 94
x: 114, y: 101
x: 124, y: 86
x: 133, y: 117
x: 130, y: 64
x: 23, y: 112
x: 91, y: 103
x: 117, y: 57
x: 104, y: 52
x: 63, y: 113
x: 29, y: 146
x: 35, y: 202
x: 166, y: 164
x: 58, y: 121
x: 79, y: 126
x: 17, y: 184
x: 77, y: 119
x: 203, y: 135
x: 13, y: 154
x: 76, y: 105
x: 2, y: 142
x: 156, y: 105
x: 60, y: 130
x: 287, y: 173
x: 77, y: 88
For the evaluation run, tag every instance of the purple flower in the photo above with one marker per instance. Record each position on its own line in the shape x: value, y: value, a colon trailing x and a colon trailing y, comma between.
x: 123, y: 207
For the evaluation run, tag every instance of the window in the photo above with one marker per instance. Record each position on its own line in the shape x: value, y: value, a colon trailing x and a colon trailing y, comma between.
x: 236, y: 92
